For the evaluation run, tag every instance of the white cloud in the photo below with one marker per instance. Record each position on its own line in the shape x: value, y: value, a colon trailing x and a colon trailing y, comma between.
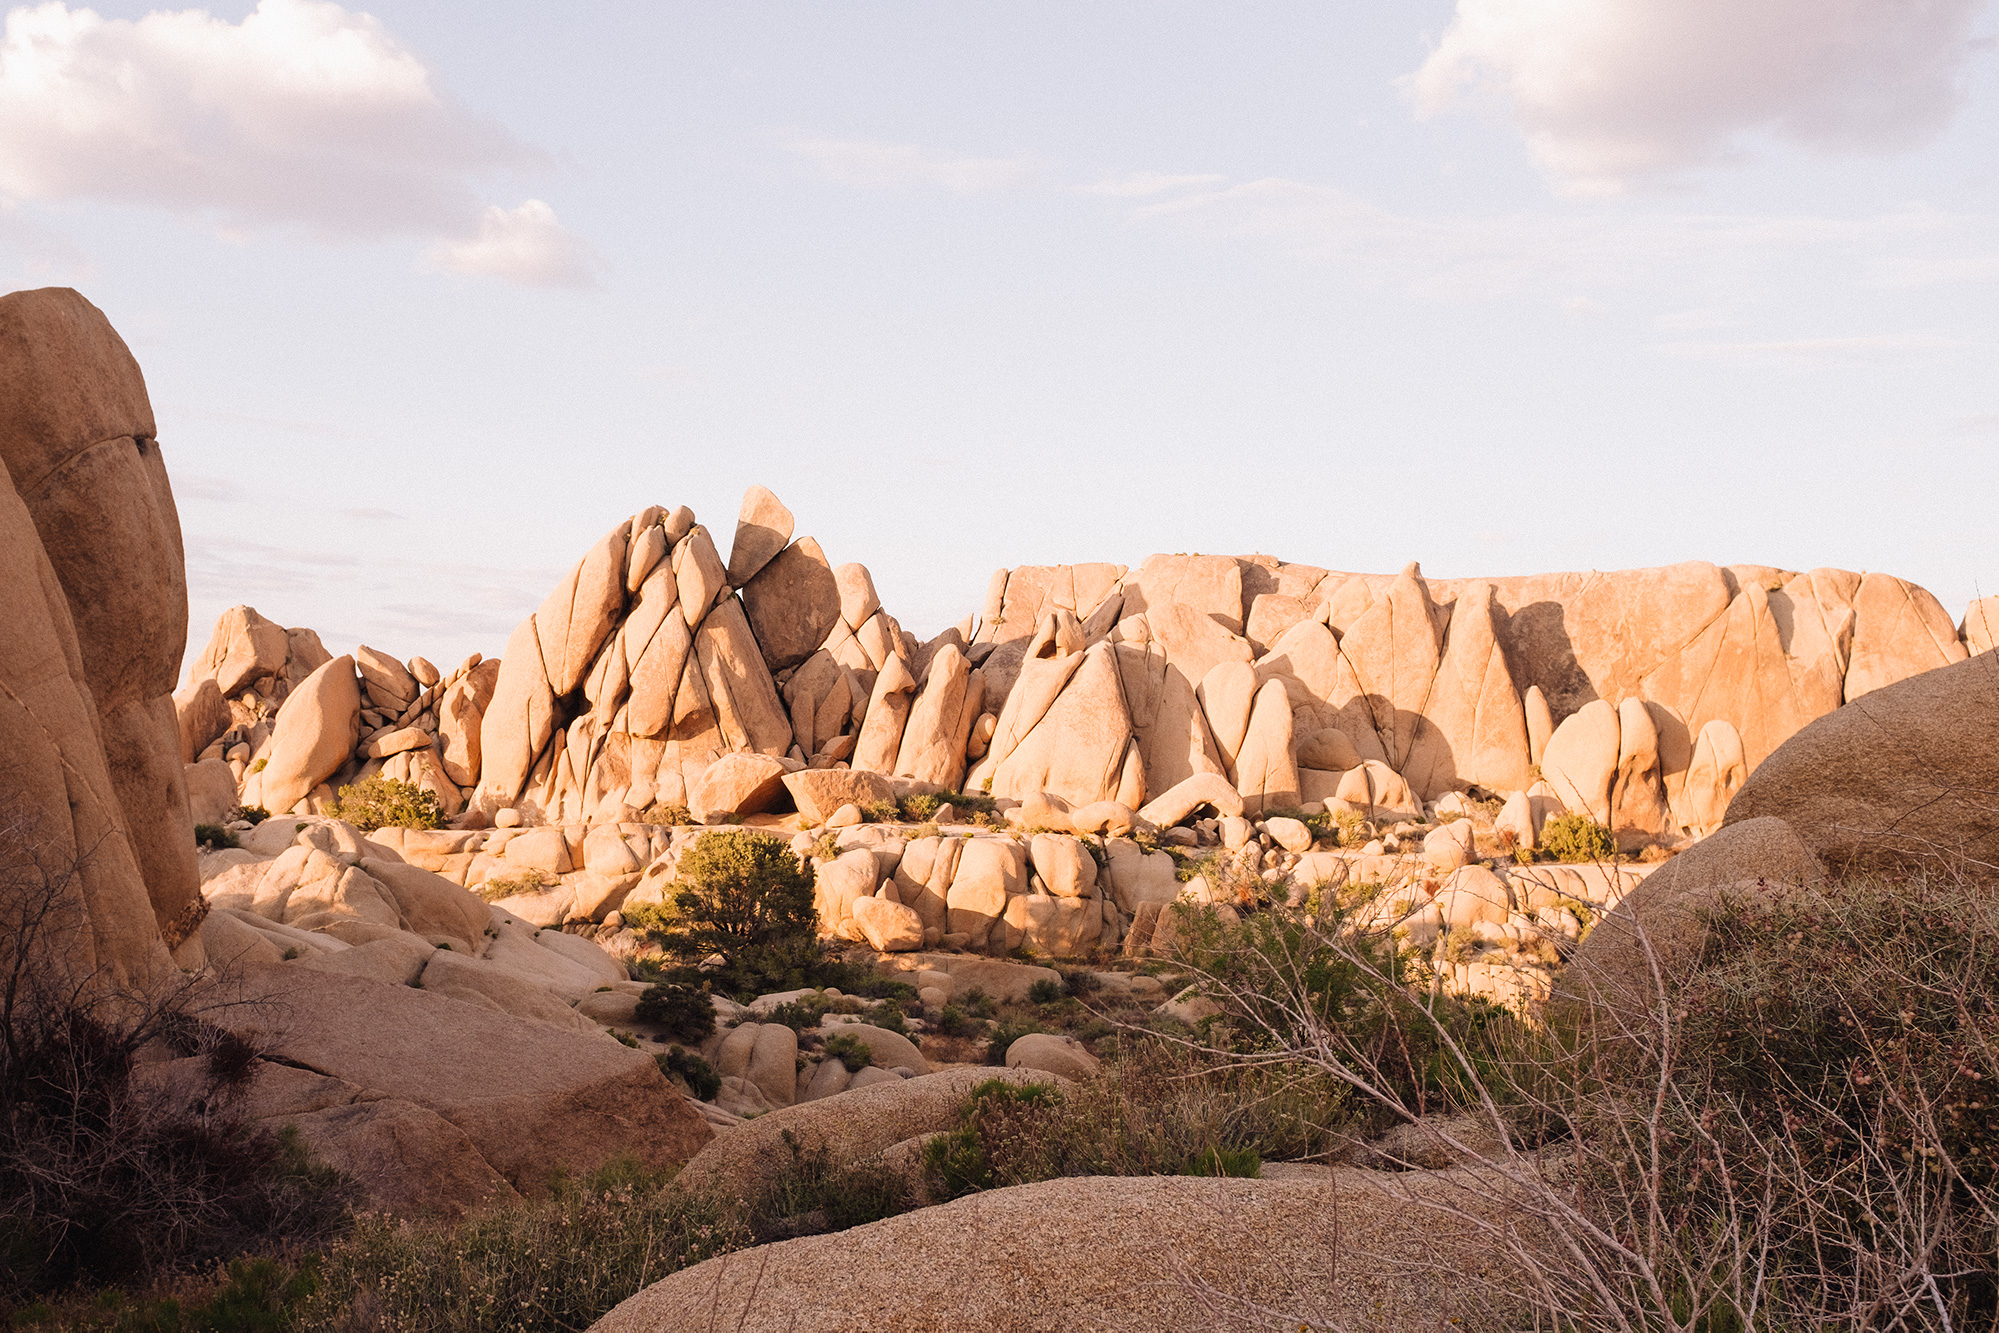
x: 1142, y: 184
x: 1611, y: 91
x: 525, y: 245
x: 304, y: 113
x: 860, y: 162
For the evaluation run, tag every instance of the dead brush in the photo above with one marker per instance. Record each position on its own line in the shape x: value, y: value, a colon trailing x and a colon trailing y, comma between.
x: 1791, y: 1127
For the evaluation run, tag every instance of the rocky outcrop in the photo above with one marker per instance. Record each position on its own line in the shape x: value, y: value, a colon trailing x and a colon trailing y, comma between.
x: 96, y: 822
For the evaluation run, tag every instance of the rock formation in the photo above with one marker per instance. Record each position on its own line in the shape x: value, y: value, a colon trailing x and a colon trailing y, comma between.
x: 92, y: 787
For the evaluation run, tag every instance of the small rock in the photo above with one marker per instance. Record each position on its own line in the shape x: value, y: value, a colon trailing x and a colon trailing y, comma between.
x: 847, y: 816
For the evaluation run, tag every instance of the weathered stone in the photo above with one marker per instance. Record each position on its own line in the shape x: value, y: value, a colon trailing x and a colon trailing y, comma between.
x: 1580, y: 762
x: 532, y: 1099
x: 1138, y: 876
x: 763, y: 526
x: 1638, y: 810
x: 818, y: 792
x: 887, y: 717
x: 1900, y: 779
x: 933, y: 739
x: 734, y: 786
x: 748, y: 712
x: 793, y: 602
x: 989, y: 870
x: 1065, y: 867
x: 460, y: 714
x: 1209, y: 584
x: 315, y: 734
x: 1266, y: 770
x: 1473, y: 727
x: 889, y: 926
x: 201, y: 716
x: 1899, y: 631
x: 1051, y: 1053
x: 700, y: 575
x: 244, y: 649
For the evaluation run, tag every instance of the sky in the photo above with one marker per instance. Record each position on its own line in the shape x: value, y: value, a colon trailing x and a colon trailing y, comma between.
x: 430, y: 296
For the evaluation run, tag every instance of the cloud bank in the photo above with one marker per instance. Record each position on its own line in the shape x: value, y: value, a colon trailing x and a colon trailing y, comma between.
x: 1610, y: 92
x: 303, y: 114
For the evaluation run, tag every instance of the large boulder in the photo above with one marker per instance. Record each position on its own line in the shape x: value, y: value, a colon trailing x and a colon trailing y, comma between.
x: 1161, y: 1253
x: 79, y: 446
x: 315, y: 734
x: 1662, y: 922
x: 532, y: 1099
x: 793, y: 603
x: 1904, y: 776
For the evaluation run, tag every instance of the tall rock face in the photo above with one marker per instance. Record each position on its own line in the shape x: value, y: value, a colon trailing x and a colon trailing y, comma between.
x: 95, y: 612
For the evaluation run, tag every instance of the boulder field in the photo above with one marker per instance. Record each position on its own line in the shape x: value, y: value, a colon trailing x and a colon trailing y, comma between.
x: 447, y: 1014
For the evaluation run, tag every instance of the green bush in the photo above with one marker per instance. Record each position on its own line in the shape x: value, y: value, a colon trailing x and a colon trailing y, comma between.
x: 249, y: 814
x: 702, y: 1080
x: 1153, y: 1109
x: 1831, y: 1066
x: 383, y: 802
x: 1044, y: 992
x: 745, y: 898
x: 555, y: 1263
x: 1243, y: 1162
x: 213, y: 837
x: 687, y: 1014
x: 506, y: 886
x: 953, y: 1022
x: 809, y: 1195
x: 667, y: 816
x: 849, y: 1051
x: 978, y: 1004
x: 1577, y: 838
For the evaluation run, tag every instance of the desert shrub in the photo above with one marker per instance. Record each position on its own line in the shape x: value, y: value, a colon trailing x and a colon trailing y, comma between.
x: 383, y: 802
x: 1080, y: 981
x: 667, y: 816
x: 1828, y: 1068
x: 107, y: 1176
x: 889, y: 1017
x: 249, y: 1295
x: 978, y: 1004
x: 506, y: 886
x: 1151, y: 1110
x: 1577, y: 838
x: 922, y: 807
x: 849, y: 1051
x: 1351, y: 827
x: 556, y: 1263
x: 213, y: 837
x: 249, y: 814
x: 800, y: 1015
x: 745, y: 899
x: 1282, y: 979
x: 1243, y: 1162
x: 953, y: 1022
x: 881, y: 812
x: 1044, y: 992
x: 700, y: 1076
x: 826, y: 847
x: 810, y: 1195
x: 687, y: 1014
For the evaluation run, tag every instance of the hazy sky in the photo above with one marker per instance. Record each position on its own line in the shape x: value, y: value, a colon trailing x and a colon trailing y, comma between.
x: 431, y: 295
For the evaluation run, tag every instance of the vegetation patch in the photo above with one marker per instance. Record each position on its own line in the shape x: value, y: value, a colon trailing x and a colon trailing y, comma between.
x: 384, y: 802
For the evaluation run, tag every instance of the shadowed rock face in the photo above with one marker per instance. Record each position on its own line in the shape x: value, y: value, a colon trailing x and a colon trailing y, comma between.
x: 96, y: 624
x: 1907, y: 775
